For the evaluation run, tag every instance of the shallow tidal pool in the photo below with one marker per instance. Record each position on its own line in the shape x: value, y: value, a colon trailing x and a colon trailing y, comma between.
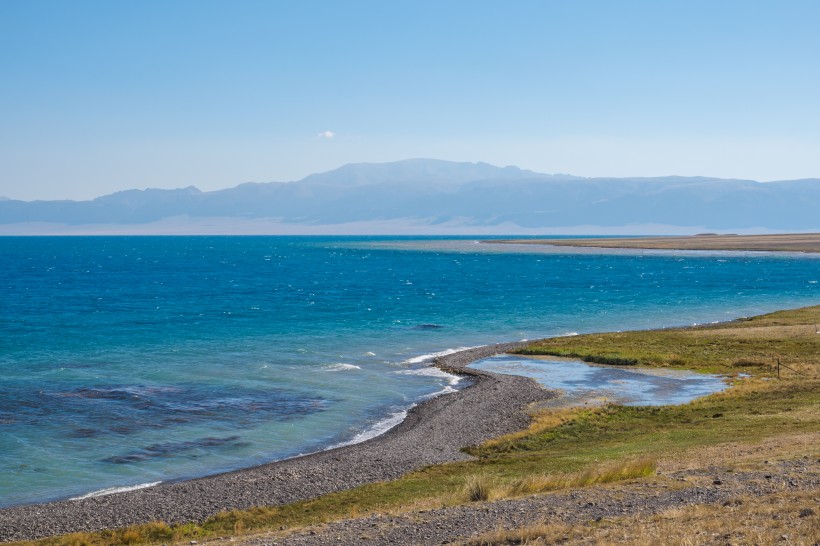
x: 580, y: 382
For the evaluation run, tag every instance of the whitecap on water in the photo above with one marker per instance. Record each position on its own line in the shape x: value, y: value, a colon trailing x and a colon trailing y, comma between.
x: 432, y: 372
x: 341, y: 367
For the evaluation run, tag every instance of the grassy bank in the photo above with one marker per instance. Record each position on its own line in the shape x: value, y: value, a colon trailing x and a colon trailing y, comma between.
x: 584, y: 447
x: 752, y: 345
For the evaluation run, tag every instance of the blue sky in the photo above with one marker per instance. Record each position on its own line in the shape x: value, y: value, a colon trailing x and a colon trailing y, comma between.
x: 102, y: 96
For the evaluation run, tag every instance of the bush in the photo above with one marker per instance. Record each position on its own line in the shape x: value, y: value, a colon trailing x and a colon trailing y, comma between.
x: 478, y: 488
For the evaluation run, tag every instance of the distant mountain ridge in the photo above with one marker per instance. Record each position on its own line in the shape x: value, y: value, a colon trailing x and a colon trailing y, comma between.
x: 471, y: 195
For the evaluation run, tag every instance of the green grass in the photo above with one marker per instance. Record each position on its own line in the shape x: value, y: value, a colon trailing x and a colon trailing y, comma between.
x: 580, y: 447
x: 750, y: 345
x: 750, y: 415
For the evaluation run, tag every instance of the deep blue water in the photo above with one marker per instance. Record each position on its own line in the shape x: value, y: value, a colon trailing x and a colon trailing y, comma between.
x: 127, y: 360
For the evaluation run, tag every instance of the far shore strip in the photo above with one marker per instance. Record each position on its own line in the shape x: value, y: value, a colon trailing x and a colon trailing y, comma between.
x: 791, y: 242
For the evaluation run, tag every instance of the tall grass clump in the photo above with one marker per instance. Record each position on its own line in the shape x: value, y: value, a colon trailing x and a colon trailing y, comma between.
x: 479, y: 487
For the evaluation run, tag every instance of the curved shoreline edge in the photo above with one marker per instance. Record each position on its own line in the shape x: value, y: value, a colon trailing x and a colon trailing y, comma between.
x: 433, y: 432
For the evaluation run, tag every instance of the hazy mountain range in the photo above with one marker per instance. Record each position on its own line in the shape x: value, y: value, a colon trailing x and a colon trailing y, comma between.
x: 430, y: 196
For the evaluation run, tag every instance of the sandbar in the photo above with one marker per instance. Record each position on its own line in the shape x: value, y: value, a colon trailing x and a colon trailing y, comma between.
x: 786, y: 242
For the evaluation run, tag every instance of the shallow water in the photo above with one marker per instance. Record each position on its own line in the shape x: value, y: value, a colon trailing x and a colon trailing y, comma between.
x: 582, y: 382
x: 128, y: 360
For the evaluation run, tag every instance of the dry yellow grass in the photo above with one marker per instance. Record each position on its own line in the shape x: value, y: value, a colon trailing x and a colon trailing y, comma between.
x: 601, y: 474
x: 542, y: 419
x: 484, y: 487
x: 479, y: 487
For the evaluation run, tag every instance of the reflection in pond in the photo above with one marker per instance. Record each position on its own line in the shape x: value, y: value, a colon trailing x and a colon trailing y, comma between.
x: 582, y: 382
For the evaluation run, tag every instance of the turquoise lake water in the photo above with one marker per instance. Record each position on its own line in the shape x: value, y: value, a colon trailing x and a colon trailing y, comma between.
x: 132, y: 360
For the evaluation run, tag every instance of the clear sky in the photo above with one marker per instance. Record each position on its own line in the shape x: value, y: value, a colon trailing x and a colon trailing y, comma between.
x: 99, y: 96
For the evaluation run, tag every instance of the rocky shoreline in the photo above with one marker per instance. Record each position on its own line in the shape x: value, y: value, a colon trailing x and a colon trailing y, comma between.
x: 433, y: 432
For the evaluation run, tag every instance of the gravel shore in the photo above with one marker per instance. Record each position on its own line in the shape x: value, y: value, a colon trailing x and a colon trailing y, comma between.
x: 433, y: 432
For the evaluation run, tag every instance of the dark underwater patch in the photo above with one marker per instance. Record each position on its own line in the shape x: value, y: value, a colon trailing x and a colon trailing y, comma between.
x: 84, y: 433
x: 169, y: 449
x: 428, y: 327
x: 122, y: 410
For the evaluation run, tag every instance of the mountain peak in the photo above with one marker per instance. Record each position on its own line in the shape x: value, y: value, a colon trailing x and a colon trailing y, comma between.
x: 422, y: 171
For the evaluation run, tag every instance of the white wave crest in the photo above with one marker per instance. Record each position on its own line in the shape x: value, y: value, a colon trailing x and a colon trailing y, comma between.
x: 340, y: 367
x: 112, y: 490
x: 377, y: 429
x: 424, y: 358
x: 446, y: 390
x: 432, y: 372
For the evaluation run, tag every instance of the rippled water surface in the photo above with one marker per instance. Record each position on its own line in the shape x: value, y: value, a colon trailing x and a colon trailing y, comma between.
x: 129, y: 360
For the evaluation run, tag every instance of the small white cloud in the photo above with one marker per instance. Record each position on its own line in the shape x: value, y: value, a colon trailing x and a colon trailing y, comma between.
x: 326, y: 134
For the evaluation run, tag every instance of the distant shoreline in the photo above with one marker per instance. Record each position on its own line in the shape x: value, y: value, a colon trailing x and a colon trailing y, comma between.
x: 790, y: 242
